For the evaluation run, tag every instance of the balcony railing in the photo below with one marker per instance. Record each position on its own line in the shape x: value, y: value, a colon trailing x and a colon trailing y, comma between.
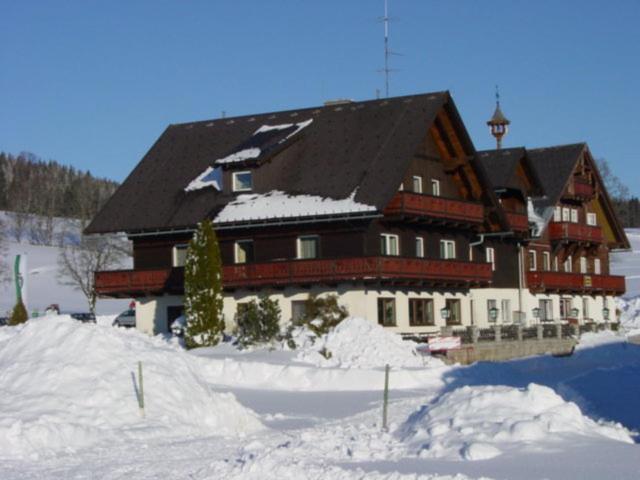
x: 580, y: 189
x: 575, y: 282
x: 127, y: 283
x: 575, y: 232
x: 518, y: 221
x: 428, y: 206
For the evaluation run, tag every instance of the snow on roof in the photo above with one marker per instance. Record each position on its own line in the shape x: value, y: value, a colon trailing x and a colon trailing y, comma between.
x: 255, y: 151
x: 277, y: 204
x: 205, y: 179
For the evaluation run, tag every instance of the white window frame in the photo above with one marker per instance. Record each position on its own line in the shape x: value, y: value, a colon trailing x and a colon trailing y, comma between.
x: 236, y: 250
x: 597, y: 266
x: 386, y: 239
x: 491, y: 303
x: 470, y: 253
x: 234, y: 181
x: 174, y: 254
x: 583, y: 265
x: 444, y: 249
x: 592, y: 219
x: 557, y: 214
x: 435, y: 187
x: 574, y: 215
x: 417, y: 182
x: 299, y: 246
x: 585, y: 307
x: 490, y: 257
x: 546, y: 261
x: 568, y: 264
x: 566, y: 214
x: 533, y: 260
x: 506, y: 313
x: 556, y: 265
x: 420, y: 247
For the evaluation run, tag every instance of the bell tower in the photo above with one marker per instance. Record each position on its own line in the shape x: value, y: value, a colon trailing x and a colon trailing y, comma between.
x: 499, y: 124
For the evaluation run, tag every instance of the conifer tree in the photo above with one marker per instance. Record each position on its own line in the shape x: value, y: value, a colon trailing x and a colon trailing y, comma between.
x: 203, y: 288
x: 19, y: 314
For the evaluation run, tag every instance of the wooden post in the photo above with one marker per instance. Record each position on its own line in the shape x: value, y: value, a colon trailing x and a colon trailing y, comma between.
x: 385, y: 399
x: 140, y: 389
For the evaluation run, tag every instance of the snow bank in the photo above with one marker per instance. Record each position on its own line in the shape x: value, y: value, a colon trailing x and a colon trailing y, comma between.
x: 630, y: 316
x: 360, y: 343
x: 276, y: 204
x: 476, y: 423
x: 67, y: 385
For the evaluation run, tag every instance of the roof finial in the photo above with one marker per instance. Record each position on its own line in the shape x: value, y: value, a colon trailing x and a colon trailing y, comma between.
x: 499, y: 124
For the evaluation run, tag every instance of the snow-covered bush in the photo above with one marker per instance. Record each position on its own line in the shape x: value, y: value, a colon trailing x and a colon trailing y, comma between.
x: 321, y: 315
x: 257, y: 322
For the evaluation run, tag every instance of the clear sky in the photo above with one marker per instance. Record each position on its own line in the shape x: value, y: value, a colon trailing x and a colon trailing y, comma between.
x: 94, y: 83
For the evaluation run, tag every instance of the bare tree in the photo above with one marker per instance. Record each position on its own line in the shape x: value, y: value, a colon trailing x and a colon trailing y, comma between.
x: 78, y: 263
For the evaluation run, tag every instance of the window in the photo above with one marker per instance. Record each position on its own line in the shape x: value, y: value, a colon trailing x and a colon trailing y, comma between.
x: 420, y: 312
x: 470, y: 253
x: 565, y: 308
x: 557, y: 214
x: 435, y: 187
x: 490, y: 254
x: 419, y: 247
x: 568, y: 264
x: 243, y: 251
x: 387, y: 312
x: 447, y: 249
x: 298, y: 310
x: 179, y: 255
x: 555, y: 264
x: 596, y: 266
x: 546, y: 310
x: 566, y: 214
x: 546, y: 261
x: 505, y: 311
x: 455, y: 317
x: 417, y: 184
x: 389, y: 244
x: 307, y: 247
x: 574, y: 215
x: 242, y: 181
x: 585, y: 307
x: 491, y: 304
x: 533, y: 264
x: 592, y: 219
x: 583, y: 264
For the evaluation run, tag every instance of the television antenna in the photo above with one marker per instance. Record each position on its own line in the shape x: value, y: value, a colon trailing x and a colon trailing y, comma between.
x: 387, y: 51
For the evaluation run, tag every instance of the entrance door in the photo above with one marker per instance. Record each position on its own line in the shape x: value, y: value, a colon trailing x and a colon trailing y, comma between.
x: 173, y: 312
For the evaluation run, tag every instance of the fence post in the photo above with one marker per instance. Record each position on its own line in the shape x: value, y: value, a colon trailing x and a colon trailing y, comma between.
x: 497, y: 332
x: 519, y: 333
x: 540, y: 331
x: 559, y: 330
x: 475, y: 334
x: 140, y: 389
x: 385, y: 398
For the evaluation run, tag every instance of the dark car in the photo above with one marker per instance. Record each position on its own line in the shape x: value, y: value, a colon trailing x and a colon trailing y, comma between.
x: 126, y: 319
x: 4, y: 321
x: 84, y: 317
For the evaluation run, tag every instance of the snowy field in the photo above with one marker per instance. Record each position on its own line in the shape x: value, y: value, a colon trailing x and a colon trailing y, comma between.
x: 69, y: 404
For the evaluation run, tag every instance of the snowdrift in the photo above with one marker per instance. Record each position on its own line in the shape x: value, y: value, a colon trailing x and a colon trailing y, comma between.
x: 476, y: 423
x: 630, y: 316
x: 67, y: 385
x: 360, y: 343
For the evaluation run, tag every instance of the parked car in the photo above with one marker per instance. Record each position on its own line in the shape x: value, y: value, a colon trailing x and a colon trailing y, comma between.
x: 4, y: 321
x: 125, y: 319
x: 84, y: 317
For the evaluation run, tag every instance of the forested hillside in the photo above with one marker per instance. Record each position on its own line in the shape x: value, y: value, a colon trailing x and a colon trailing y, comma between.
x: 36, y: 191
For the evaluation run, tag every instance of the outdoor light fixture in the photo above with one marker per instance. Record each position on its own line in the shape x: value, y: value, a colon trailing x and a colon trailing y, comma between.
x: 445, y: 313
x: 605, y: 313
x: 536, y: 312
x: 493, y: 314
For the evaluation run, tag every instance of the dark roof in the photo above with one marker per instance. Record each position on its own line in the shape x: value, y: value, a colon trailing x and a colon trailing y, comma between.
x: 498, y: 117
x: 362, y: 145
x: 501, y: 165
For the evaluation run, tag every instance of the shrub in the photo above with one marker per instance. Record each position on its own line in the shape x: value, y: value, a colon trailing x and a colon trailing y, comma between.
x: 19, y: 314
x: 323, y: 313
x: 257, y: 322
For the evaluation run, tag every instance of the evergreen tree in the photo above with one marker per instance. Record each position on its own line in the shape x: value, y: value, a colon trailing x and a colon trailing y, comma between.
x: 203, y: 288
x: 19, y: 314
x: 258, y: 322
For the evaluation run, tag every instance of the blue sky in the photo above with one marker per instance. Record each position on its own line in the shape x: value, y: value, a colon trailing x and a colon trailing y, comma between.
x: 94, y: 83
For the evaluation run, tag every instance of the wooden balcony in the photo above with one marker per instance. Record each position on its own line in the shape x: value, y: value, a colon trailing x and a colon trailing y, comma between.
x: 428, y: 207
x: 387, y: 270
x: 579, y: 190
x: 575, y: 232
x: 575, y: 283
x: 519, y: 222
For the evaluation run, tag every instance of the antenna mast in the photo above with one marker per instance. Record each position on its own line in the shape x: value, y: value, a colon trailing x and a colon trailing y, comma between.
x: 387, y: 52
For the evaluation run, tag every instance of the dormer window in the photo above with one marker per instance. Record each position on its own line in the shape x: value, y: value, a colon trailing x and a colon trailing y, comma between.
x: 242, y: 181
x: 417, y: 184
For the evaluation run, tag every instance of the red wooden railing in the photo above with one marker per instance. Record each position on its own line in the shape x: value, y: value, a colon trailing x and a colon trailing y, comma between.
x: 575, y: 232
x: 580, y: 189
x: 575, y: 282
x: 409, y: 203
x: 131, y: 282
x: 518, y: 221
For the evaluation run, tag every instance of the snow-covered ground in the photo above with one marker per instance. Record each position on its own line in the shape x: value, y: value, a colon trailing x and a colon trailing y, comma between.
x: 69, y: 409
